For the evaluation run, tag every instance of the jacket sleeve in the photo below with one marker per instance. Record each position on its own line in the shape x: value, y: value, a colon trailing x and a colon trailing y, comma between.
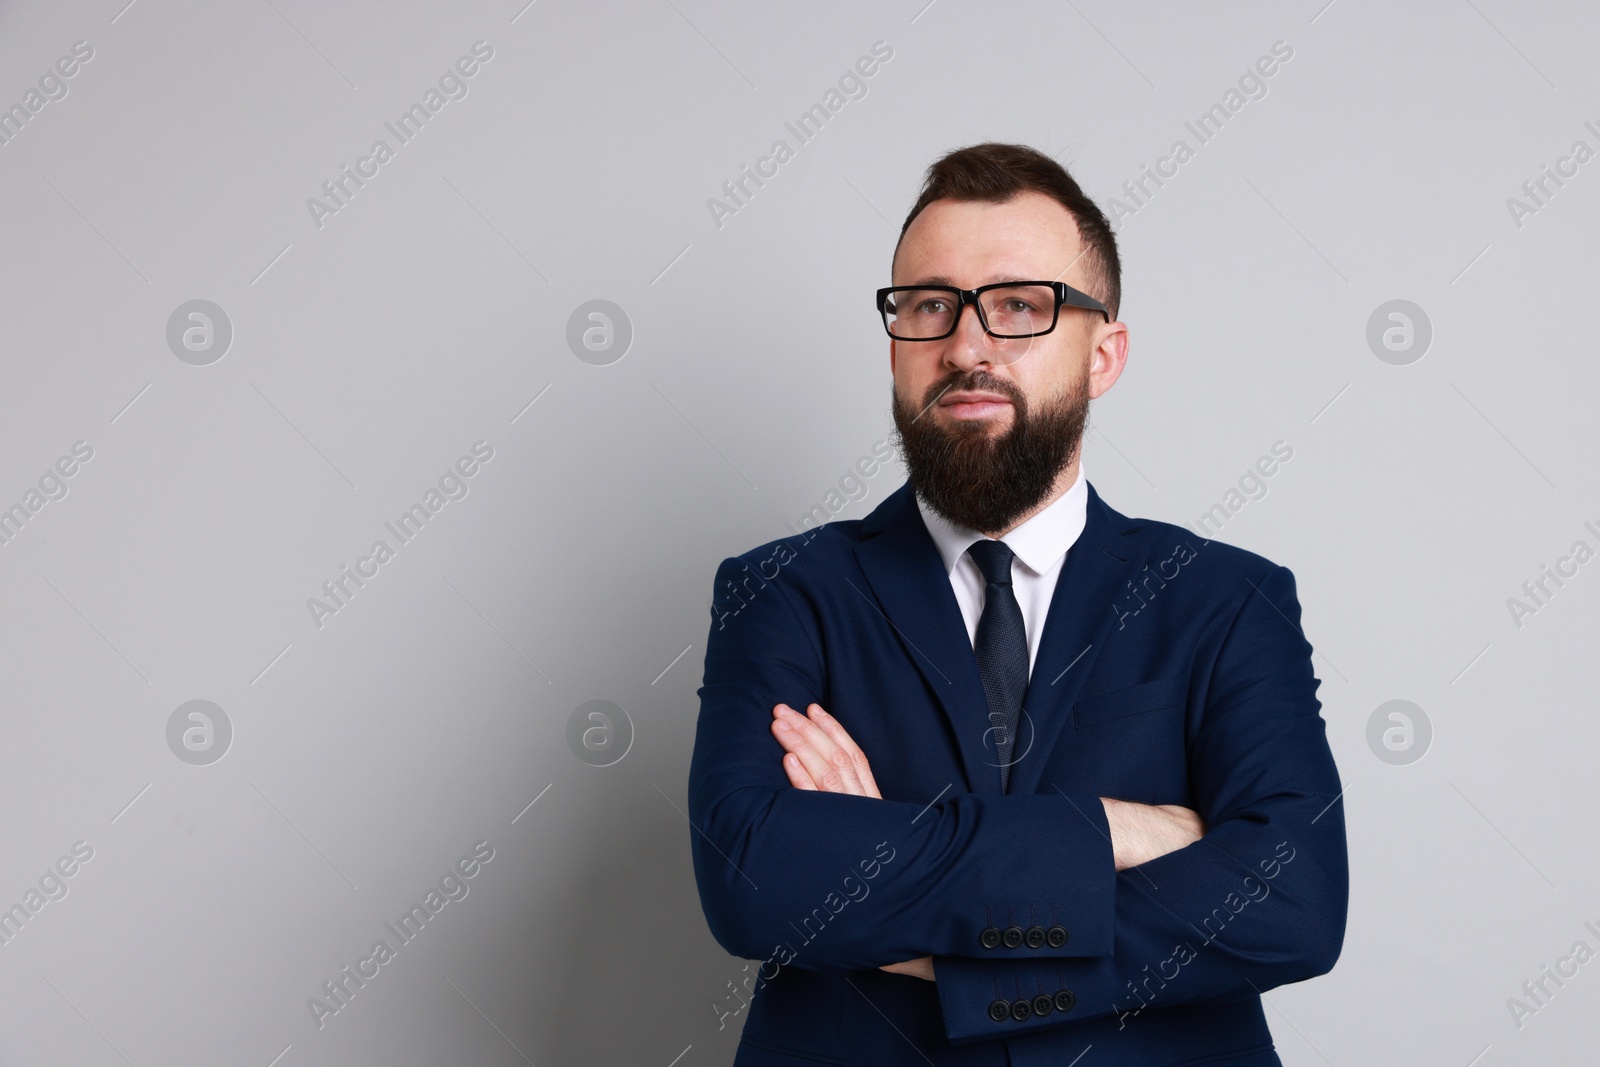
x: 1257, y: 902
x: 829, y: 881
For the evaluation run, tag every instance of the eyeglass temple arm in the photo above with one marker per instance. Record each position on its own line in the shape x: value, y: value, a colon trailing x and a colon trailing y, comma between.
x: 1076, y: 299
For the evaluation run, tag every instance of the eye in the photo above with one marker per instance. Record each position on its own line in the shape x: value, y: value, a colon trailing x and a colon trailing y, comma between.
x: 933, y: 305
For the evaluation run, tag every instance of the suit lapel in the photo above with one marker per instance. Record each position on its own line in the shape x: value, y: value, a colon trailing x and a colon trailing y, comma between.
x: 908, y: 577
x: 906, y: 573
x: 1080, y: 620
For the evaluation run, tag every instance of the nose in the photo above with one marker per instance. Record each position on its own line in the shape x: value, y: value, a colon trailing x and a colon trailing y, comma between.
x: 970, y: 345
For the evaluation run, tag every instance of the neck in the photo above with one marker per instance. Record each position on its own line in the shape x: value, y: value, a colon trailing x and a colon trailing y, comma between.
x: 1064, y: 482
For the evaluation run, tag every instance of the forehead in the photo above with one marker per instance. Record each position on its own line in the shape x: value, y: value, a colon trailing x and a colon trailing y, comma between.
x: 972, y: 242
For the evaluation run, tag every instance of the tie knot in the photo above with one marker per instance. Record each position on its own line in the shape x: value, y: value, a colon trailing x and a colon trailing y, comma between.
x: 993, y: 559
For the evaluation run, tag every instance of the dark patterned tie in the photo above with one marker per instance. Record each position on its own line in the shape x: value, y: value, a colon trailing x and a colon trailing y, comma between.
x: 1002, y: 649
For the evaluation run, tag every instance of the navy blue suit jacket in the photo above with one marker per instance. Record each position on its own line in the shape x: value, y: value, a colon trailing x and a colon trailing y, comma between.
x: 1171, y: 670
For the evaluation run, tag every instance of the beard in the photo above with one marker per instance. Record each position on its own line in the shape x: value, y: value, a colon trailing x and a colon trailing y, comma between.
x: 979, y: 479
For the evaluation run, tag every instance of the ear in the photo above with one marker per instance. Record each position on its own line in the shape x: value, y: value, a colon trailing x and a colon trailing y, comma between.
x: 1110, y: 355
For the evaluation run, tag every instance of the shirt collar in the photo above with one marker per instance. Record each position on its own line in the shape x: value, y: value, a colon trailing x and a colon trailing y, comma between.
x: 1039, y: 543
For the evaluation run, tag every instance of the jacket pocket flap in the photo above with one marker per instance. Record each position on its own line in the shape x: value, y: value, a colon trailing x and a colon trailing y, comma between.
x: 1138, y: 699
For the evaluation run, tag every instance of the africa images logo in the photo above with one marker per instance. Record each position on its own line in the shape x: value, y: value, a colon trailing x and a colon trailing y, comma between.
x: 453, y: 485
x: 341, y: 989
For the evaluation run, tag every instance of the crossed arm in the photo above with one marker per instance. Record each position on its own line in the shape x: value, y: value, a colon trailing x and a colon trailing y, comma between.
x: 1150, y: 904
x: 819, y: 754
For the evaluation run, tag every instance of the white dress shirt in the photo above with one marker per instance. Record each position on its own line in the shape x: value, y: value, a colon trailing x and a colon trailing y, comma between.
x: 1040, y: 546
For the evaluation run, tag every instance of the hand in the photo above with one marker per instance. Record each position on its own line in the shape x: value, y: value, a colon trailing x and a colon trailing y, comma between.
x: 1142, y: 832
x: 922, y: 968
x: 819, y: 755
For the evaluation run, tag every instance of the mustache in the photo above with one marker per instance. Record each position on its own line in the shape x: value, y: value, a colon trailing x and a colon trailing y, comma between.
x: 970, y: 381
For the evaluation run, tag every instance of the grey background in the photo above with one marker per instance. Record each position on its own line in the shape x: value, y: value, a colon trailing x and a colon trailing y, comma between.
x: 430, y: 712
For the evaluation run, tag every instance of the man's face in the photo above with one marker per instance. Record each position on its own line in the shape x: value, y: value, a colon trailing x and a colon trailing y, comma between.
x: 988, y: 424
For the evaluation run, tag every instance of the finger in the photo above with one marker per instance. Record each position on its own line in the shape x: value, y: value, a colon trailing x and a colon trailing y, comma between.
x: 797, y: 773
x: 846, y: 759
x: 842, y: 738
x: 799, y: 754
x: 830, y: 767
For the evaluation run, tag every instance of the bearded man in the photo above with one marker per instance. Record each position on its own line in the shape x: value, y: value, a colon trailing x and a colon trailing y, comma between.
x: 997, y: 774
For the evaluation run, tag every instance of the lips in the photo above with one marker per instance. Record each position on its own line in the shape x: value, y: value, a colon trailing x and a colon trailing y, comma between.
x: 974, y: 405
x: 970, y: 398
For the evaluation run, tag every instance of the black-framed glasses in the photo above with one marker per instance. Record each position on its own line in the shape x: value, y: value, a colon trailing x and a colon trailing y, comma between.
x: 1006, y: 310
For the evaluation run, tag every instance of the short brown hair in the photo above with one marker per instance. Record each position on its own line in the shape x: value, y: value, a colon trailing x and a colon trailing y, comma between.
x: 998, y: 172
